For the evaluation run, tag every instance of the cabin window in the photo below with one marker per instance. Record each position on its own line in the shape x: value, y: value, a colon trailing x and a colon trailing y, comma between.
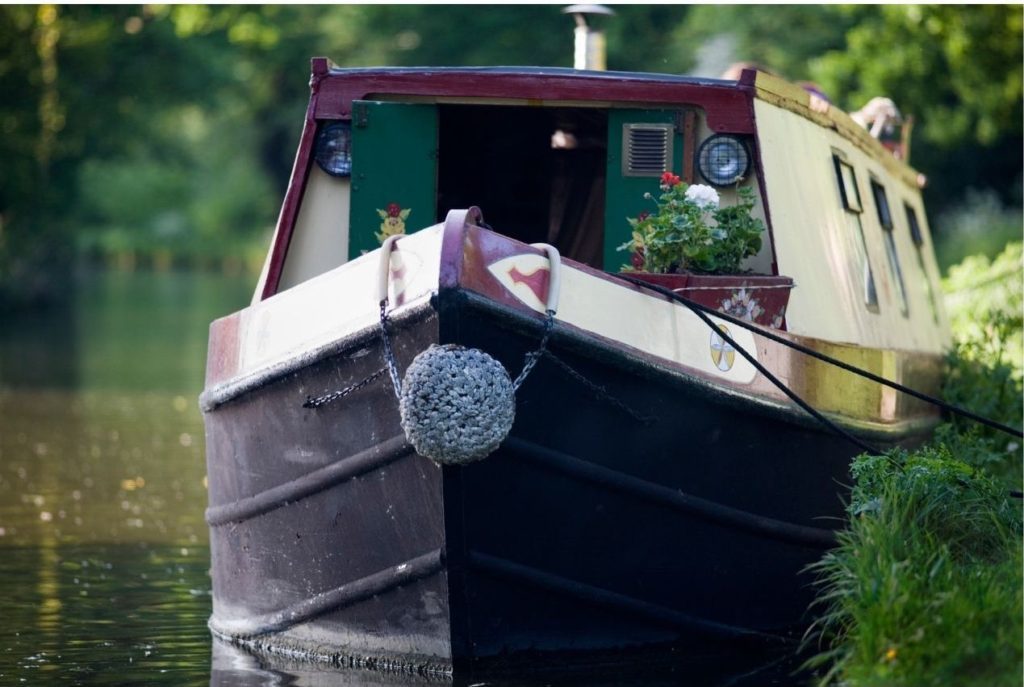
x: 918, y: 238
x: 850, y: 196
x: 885, y: 219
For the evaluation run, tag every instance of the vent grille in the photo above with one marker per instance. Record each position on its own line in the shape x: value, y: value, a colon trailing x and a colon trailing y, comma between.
x: 646, y: 149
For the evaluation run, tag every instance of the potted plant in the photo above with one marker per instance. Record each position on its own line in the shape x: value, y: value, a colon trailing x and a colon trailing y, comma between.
x: 694, y: 246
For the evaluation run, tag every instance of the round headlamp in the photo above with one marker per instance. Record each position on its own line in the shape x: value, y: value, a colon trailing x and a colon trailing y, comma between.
x: 333, y: 149
x: 723, y: 160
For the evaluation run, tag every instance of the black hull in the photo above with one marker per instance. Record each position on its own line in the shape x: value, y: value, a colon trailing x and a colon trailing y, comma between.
x: 637, y: 508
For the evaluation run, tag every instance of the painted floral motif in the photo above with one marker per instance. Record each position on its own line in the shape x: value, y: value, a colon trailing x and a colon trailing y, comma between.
x: 778, y: 319
x: 393, y: 223
x: 742, y: 305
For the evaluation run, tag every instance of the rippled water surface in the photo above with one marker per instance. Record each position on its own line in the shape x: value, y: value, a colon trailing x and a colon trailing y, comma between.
x: 104, y: 557
x: 103, y: 550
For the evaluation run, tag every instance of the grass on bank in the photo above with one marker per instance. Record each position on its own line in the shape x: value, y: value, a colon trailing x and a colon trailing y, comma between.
x: 925, y: 587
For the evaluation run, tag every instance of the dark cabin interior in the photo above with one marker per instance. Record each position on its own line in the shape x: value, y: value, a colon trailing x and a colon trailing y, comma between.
x: 538, y: 173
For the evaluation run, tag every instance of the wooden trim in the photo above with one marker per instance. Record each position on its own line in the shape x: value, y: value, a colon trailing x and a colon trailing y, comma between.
x: 689, y: 172
x: 725, y: 104
x: 791, y: 97
x: 271, y: 279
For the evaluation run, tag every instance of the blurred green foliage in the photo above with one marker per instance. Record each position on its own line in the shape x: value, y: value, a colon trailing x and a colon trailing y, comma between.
x: 146, y: 130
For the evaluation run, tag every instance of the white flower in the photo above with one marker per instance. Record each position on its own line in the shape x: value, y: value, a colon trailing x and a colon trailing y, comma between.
x: 703, y: 196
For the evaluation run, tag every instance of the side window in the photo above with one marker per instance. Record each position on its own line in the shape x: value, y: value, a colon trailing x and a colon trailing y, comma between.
x: 918, y: 238
x: 850, y: 195
x: 885, y: 219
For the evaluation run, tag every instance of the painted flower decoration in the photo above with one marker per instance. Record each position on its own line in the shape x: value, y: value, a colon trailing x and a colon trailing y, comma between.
x: 704, y: 196
x: 742, y: 305
x: 393, y: 221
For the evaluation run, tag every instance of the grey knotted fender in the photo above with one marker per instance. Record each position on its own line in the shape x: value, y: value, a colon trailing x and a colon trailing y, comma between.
x: 457, y: 404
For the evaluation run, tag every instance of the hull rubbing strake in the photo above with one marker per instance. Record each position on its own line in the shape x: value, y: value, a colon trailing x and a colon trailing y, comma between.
x: 702, y: 508
x: 346, y: 595
x: 603, y: 597
x: 312, y: 483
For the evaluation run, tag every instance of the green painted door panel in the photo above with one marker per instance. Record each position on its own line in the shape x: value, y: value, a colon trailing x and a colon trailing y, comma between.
x: 394, y: 171
x: 624, y: 194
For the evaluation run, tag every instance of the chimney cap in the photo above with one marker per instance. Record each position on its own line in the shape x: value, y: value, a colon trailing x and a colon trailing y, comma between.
x: 589, y: 9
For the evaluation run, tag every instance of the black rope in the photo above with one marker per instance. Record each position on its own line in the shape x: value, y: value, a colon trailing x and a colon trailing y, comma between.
x: 863, y: 445
x: 821, y: 356
x: 312, y: 402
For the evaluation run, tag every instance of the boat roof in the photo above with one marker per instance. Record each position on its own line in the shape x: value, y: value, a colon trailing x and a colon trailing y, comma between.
x: 727, y: 102
x: 648, y: 77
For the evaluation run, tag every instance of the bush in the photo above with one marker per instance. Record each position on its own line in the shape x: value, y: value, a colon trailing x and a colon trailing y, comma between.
x: 925, y: 585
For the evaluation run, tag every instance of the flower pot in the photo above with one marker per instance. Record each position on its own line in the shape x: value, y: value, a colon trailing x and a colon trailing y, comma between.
x: 757, y: 298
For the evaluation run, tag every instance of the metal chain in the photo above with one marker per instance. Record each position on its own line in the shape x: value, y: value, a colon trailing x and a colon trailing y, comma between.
x: 334, y: 396
x: 598, y: 390
x: 533, y: 356
x: 389, y: 355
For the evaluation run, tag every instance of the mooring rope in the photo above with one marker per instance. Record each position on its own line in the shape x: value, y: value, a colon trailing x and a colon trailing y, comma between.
x: 766, y: 333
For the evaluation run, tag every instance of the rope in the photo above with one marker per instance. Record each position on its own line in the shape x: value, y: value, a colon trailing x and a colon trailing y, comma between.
x: 824, y: 358
x: 731, y: 288
x: 864, y: 446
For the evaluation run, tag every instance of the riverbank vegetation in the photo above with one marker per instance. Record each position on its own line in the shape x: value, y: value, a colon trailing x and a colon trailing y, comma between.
x: 164, y: 134
x: 925, y: 587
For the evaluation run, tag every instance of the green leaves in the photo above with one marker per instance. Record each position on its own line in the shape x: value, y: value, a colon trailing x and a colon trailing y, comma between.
x: 685, y: 235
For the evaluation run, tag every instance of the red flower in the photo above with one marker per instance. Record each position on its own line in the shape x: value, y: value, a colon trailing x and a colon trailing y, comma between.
x: 394, y: 209
x: 637, y: 259
x: 642, y: 216
x: 669, y: 179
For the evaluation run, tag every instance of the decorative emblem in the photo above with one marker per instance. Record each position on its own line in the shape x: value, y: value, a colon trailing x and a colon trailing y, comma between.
x: 742, y: 305
x: 393, y: 221
x: 536, y: 281
x: 525, y: 276
x: 723, y: 355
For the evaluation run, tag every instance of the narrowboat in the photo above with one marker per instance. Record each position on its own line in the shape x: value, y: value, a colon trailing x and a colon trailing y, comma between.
x: 455, y: 426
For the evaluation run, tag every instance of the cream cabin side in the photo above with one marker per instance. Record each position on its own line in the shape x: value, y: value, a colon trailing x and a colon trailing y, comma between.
x: 850, y: 229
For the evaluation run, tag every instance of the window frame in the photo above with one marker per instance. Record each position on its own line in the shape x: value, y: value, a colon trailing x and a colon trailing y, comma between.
x: 884, y: 212
x: 849, y: 194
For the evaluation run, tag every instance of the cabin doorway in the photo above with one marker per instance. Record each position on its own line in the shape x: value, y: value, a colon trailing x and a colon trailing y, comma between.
x: 538, y: 173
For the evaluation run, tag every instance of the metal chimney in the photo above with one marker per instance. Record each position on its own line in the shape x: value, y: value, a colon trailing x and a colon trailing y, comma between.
x: 589, y: 45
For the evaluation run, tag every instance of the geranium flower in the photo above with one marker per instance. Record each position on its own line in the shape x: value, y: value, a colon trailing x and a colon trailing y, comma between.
x: 668, y: 180
x: 394, y: 209
x: 704, y: 196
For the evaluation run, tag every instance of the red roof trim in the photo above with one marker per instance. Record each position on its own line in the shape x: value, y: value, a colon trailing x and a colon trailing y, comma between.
x: 726, y: 103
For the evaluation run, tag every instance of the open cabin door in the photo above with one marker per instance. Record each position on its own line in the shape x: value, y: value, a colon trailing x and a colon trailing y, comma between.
x: 642, y: 145
x: 394, y: 171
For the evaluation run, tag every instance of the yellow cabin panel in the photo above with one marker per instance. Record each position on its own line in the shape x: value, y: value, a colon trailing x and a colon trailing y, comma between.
x: 816, y: 241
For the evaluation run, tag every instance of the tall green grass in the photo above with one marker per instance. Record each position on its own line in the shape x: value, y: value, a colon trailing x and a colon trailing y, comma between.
x: 925, y: 586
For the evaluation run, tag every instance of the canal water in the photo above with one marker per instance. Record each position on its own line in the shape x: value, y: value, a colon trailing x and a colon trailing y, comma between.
x: 104, y: 555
